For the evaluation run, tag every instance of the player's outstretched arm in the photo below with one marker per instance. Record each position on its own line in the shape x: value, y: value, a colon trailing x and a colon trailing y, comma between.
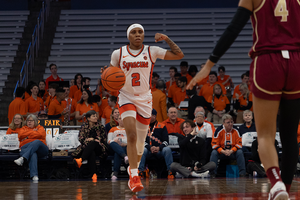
x: 236, y: 25
x: 175, y: 53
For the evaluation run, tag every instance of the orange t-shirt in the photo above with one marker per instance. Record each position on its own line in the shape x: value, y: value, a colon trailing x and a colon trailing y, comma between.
x: 32, y: 105
x: 219, y: 104
x: 26, y: 96
x: 102, y: 106
x: 188, y: 77
x: 207, y: 90
x: 27, y: 135
x: 49, y: 100
x: 168, y: 84
x: 106, y: 114
x: 56, y: 108
x: 222, y: 80
x: 50, y: 78
x: 83, y: 108
x: 73, y: 89
x: 243, y: 101
x: 153, y: 88
x: 179, y: 96
x: 204, y: 81
x: 174, y: 128
x: 173, y: 89
x: 17, y: 106
x: 77, y: 95
x: 10, y: 131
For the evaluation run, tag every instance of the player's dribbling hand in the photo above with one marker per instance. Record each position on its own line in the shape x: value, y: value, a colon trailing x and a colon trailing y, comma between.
x: 159, y: 37
x: 103, y: 68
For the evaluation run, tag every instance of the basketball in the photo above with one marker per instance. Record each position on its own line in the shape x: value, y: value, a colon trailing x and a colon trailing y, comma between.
x: 113, y: 78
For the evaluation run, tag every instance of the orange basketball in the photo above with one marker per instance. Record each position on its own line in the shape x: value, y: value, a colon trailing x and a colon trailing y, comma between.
x: 113, y: 78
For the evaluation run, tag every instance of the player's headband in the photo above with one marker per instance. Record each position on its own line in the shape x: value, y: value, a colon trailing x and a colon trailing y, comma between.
x: 132, y: 27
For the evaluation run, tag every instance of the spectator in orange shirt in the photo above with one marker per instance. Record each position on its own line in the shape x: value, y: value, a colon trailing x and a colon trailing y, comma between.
x: 84, y: 105
x: 42, y: 92
x: 33, y: 145
x: 28, y: 90
x: 226, y: 81
x: 58, y: 107
x: 172, y: 81
x: 193, y: 70
x: 243, y: 103
x: 112, y: 103
x: 34, y: 104
x: 17, y: 106
x: 236, y: 92
x: 180, y: 94
x: 173, y: 89
x: 71, y: 105
x: 155, y: 78
x: 159, y: 99
x: 207, y: 89
x: 218, y: 105
x: 173, y: 122
x: 77, y: 86
x: 16, y: 124
x: 51, y: 97
x: 53, y: 76
x: 85, y: 85
x: 184, y: 66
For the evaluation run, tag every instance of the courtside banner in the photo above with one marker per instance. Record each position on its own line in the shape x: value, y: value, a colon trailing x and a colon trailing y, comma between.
x: 249, y: 137
x: 64, y: 141
x: 9, y: 142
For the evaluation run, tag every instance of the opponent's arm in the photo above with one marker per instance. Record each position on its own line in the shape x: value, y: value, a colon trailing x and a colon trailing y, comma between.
x: 175, y: 53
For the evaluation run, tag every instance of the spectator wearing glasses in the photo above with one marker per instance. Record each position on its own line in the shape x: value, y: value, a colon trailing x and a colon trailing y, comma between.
x: 33, y: 145
x: 16, y: 125
x: 227, y: 144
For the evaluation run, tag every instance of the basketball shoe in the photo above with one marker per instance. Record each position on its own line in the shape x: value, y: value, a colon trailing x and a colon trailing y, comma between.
x: 278, y: 192
x: 134, y: 183
x: 78, y: 162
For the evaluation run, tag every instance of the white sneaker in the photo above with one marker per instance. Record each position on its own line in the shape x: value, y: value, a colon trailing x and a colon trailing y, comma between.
x: 35, y: 178
x: 278, y: 192
x: 114, y: 178
x: 19, y: 161
x: 200, y: 175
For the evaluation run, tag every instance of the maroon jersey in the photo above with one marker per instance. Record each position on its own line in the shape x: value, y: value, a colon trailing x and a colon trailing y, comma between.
x: 276, y: 26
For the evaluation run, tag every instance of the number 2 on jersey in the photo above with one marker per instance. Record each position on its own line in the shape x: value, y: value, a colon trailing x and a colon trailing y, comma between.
x: 281, y: 11
x: 135, y: 79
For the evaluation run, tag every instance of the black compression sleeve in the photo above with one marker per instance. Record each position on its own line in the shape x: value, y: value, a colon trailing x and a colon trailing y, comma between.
x: 236, y: 25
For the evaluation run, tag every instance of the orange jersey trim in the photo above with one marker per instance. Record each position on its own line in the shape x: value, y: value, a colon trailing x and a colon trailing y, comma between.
x: 136, y: 54
x: 143, y: 120
x: 126, y: 107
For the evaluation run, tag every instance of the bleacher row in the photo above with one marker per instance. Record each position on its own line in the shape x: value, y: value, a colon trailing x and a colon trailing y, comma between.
x: 9, y: 146
x: 12, y: 25
x: 85, y: 39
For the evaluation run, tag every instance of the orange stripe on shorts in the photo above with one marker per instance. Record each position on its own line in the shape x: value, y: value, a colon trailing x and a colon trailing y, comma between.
x: 141, y: 119
x: 126, y: 107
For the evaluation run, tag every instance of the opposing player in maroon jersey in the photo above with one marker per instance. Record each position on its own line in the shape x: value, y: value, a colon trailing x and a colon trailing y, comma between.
x: 275, y: 82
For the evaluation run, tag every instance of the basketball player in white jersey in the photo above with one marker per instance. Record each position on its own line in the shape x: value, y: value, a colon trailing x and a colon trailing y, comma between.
x: 135, y: 98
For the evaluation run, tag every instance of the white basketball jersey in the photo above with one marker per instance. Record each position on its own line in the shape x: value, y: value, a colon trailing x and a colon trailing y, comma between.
x: 138, y: 70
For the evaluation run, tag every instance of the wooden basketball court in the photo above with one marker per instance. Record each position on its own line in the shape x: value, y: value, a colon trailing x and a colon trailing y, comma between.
x: 155, y: 189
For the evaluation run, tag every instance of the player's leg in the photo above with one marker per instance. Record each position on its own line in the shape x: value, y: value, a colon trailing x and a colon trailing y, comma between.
x: 288, y: 125
x: 265, y: 113
x: 130, y: 124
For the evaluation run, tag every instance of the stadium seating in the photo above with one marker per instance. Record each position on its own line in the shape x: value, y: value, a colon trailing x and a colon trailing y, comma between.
x: 85, y: 39
x: 11, y: 28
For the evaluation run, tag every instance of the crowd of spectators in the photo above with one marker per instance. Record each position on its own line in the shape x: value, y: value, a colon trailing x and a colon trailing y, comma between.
x: 202, y: 120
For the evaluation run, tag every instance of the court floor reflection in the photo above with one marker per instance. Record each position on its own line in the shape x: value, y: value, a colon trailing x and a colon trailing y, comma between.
x: 157, y: 189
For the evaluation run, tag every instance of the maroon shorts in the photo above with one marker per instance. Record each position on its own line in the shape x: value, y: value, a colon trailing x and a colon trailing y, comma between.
x: 273, y: 77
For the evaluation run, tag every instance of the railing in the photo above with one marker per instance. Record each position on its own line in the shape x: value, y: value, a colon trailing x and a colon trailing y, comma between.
x: 32, y: 50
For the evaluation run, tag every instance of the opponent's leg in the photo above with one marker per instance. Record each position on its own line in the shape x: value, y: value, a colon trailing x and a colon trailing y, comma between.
x: 265, y: 112
x: 289, y: 119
